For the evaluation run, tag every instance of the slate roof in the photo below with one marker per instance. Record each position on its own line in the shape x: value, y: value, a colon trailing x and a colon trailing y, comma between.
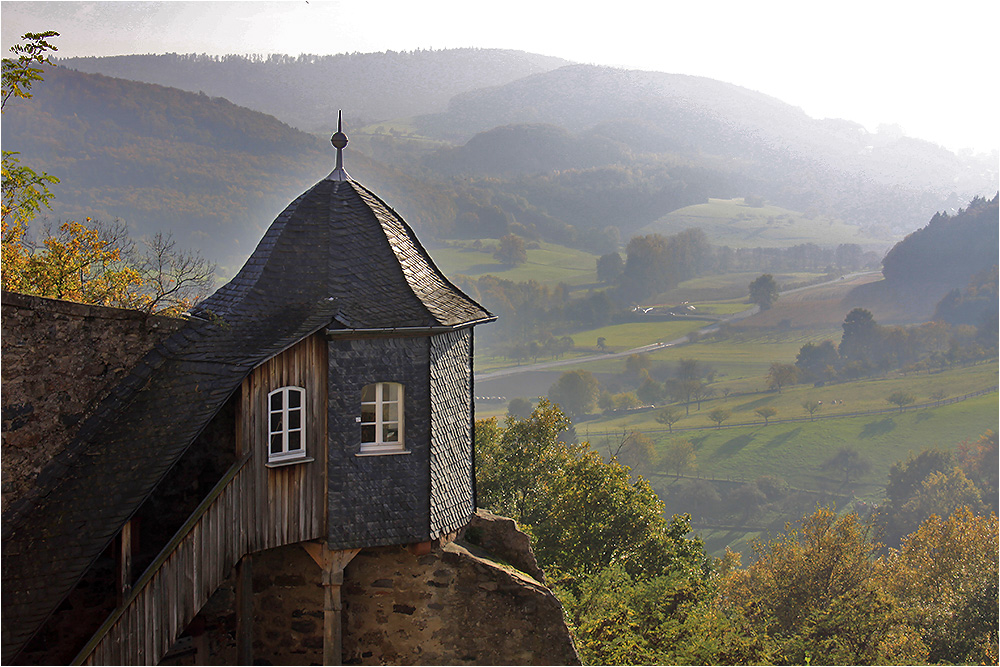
x: 339, y: 240
x: 337, y: 257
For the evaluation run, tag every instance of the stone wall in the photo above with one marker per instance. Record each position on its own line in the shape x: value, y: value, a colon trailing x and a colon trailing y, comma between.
x: 455, y: 605
x: 59, y: 359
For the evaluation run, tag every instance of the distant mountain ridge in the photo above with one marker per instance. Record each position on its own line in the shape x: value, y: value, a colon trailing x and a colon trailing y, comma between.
x: 306, y: 91
x: 886, y: 184
x: 576, y: 154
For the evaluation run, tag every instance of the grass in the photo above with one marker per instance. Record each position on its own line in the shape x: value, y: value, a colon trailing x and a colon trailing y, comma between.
x: 864, y: 395
x: 795, y: 453
x: 733, y: 223
x: 549, y: 264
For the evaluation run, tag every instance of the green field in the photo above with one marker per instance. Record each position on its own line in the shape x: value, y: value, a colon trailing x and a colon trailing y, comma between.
x: 733, y: 223
x: 549, y: 264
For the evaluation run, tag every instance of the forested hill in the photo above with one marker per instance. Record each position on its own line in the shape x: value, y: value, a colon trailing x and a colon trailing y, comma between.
x: 213, y: 173
x: 307, y: 90
x: 946, y: 255
x: 883, y: 183
x: 677, y: 139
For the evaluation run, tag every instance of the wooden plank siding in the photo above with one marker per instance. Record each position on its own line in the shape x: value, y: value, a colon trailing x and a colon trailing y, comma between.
x: 289, y: 499
x: 251, y: 509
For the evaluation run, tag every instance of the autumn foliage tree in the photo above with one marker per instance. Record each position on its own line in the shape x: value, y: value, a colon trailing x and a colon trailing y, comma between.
x: 86, y: 262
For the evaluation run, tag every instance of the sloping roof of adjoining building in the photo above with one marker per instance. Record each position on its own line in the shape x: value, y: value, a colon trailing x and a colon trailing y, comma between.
x: 337, y: 257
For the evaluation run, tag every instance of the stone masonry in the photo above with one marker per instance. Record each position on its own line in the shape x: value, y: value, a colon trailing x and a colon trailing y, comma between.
x: 59, y: 359
x: 453, y: 605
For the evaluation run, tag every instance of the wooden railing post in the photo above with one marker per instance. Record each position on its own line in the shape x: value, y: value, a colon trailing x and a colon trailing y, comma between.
x: 244, y: 611
x: 124, y: 558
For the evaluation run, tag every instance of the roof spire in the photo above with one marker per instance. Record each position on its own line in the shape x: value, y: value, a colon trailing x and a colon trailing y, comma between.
x: 339, y: 141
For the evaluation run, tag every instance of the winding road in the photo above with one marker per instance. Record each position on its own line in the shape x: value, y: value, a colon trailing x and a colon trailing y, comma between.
x: 753, y: 310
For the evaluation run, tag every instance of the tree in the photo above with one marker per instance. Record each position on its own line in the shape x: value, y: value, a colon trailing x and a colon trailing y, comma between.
x: 900, y: 399
x: 978, y: 461
x: 861, y: 334
x: 849, y: 461
x: 781, y: 375
x: 766, y: 412
x: 816, y: 594
x: 25, y: 192
x: 812, y: 407
x: 636, y: 363
x: 634, y: 450
x: 678, y: 456
x: 945, y: 575
x: 98, y: 263
x: 609, y: 267
x: 77, y: 263
x: 519, y: 407
x: 576, y: 392
x: 583, y: 514
x: 511, y: 250
x: 817, y: 362
x: 602, y: 343
x: 701, y: 392
x: 719, y: 415
x: 668, y: 416
x: 19, y: 75
x: 764, y: 291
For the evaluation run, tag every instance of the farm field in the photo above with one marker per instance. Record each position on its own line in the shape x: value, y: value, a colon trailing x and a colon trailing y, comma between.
x: 549, y: 264
x: 794, y: 454
x: 858, y: 396
x: 734, y: 223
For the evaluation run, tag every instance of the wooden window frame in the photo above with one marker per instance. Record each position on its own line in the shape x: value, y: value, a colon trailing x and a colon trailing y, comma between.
x: 378, y: 421
x: 283, y: 430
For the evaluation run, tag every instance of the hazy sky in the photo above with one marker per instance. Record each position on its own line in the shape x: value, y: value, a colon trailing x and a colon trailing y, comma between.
x: 929, y: 67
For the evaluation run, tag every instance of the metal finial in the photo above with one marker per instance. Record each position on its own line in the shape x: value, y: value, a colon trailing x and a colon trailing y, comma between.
x: 339, y: 141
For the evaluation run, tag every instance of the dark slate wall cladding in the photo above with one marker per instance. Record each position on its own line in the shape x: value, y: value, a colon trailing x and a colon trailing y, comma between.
x: 378, y: 500
x: 451, y: 432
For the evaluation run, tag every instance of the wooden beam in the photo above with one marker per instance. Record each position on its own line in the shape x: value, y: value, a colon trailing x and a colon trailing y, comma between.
x: 333, y: 610
x: 244, y: 611
x: 124, y: 558
x: 315, y: 551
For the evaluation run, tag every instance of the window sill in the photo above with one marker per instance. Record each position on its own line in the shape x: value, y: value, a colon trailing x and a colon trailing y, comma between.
x: 281, y: 463
x: 383, y: 452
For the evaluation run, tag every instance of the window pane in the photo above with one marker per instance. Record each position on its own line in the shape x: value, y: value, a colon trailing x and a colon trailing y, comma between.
x: 389, y: 412
x: 390, y: 433
x: 276, y: 443
x: 276, y: 422
x: 276, y: 401
x: 368, y: 433
x: 294, y: 398
x: 368, y: 413
x: 390, y: 391
x: 294, y: 419
x: 368, y: 394
x: 294, y: 440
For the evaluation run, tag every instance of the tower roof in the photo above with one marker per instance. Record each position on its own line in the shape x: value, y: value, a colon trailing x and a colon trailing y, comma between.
x: 339, y: 242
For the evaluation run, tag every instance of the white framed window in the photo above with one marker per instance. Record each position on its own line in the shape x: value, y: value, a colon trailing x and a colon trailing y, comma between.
x: 286, y: 424
x: 382, y: 418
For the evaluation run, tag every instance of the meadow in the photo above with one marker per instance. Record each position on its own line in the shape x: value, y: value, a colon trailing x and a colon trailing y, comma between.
x: 734, y: 223
x: 549, y: 263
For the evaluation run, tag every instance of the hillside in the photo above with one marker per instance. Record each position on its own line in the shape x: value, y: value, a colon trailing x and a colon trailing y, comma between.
x: 213, y: 173
x: 738, y: 224
x: 750, y: 143
x: 934, y: 260
x: 307, y: 90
